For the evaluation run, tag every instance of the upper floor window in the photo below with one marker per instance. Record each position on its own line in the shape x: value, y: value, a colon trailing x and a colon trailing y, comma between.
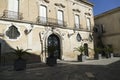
x: 43, y: 14
x: 77, y: 21
x: 13, y: 9
x: 88, y: 24
x: 60, y: 17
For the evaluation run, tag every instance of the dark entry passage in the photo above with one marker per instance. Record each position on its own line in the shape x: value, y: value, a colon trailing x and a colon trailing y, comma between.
x: 54, y: 46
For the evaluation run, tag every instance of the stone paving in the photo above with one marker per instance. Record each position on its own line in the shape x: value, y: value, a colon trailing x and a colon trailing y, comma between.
x: 104, y: 69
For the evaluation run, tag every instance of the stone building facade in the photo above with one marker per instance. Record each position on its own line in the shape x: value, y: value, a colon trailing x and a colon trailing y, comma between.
x: 37, y: 24
x: 108, y: 24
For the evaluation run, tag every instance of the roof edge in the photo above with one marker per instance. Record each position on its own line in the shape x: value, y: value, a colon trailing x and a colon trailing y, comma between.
x: 86, y: 2
x: 107, y: 12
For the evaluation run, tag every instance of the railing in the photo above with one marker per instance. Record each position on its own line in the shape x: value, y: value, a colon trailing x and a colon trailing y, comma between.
x: 12, y: 15
x: 50, y: 22
x: 78, y: 26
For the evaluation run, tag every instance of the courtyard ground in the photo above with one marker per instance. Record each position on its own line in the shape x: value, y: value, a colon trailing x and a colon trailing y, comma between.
x: 104, y: 69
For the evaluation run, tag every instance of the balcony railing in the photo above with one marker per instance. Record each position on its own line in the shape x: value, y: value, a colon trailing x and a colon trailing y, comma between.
x: 50, y: 22
x: 12, y: 15
x: 78, y: 26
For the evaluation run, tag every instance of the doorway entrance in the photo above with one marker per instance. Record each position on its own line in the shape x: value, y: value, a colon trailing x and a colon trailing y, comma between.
x: 86, y: 49
x: 54, y: 46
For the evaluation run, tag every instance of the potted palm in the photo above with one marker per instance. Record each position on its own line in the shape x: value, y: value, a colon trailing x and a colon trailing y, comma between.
x: 98, y: 54
x: 108, y: 50
x: 82, y: 56
x: 20, y: 62
x: 51, y: 60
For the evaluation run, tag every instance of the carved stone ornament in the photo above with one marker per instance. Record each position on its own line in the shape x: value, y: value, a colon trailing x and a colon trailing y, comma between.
x: 78, y: 37
x: 60, y: 5
x: 76, y: 10
x: 88, y: 14
x: 1, y: 35
x: 90, y: 38
x: 12, y: 32
x: 47, y: 1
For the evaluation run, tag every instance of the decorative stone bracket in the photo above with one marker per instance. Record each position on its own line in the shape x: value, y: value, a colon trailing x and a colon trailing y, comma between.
x: 60, y: 5
x: 1, y: 34
x: 88, y: 14
x: 76, y: 10
x: 47, y: 1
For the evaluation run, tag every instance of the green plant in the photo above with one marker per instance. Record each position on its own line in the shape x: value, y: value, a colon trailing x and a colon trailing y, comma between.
x: 97, y: 49
x: 108, y: 49
x: 20, y: 52
x: 80, y: 49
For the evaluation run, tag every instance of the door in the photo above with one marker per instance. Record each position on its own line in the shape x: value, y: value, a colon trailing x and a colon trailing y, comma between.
x: 86, y: 49
x: 54, y: 42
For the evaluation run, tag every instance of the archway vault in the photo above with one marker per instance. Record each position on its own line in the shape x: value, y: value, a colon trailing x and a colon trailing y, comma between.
x: 44, y: 40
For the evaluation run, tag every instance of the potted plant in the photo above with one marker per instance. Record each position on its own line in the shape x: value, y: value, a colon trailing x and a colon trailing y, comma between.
x: 51, y: 60
x: 82, y: 56
x: 98, y: 54
x: 20, y: 63
x: 108, y: 50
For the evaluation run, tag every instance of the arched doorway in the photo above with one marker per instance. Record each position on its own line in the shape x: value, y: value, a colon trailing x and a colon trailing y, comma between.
x: 86, y: 49
x: 54, y: 46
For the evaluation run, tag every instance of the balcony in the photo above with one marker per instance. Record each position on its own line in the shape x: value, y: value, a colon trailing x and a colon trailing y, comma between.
x: 51, y: 22
x: 78, y: 26
x: 12, y: 15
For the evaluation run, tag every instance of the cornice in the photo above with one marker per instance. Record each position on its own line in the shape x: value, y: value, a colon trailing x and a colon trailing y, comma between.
x: 108, y: 13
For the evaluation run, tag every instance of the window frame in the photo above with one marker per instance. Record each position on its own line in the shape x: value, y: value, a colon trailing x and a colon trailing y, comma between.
x: 78, y: 24
x: 61, y: 21
x: 46, y: 14
x: 88, y: 25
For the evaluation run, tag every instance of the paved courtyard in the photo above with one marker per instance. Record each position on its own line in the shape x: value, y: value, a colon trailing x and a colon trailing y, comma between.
x: 104, y: 69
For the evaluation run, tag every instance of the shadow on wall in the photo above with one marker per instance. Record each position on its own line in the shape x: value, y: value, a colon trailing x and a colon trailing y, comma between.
x: 7, y: 58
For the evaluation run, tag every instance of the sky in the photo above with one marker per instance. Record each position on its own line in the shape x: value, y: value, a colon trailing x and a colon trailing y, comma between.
x: 101, y: 6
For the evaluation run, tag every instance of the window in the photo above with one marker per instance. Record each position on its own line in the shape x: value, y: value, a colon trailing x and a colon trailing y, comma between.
x: 102, y: 28
x: 43, y: 14
x: 60, y: 17
x: 12, y: 32
x: 13, y: 9
x: 78, y: 37
x: 88, y: 24
x: 77, y: 22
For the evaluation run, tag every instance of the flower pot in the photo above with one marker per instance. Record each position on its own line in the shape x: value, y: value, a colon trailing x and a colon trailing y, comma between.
x: 81, y: 58
x: 99, y: 56
x: 51, y: 61
x: 108, y: 55
x: 20, y: 64
x: 111, y: 55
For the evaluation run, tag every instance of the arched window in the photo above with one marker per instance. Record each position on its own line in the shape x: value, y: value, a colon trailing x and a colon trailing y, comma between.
x: 12, y: 32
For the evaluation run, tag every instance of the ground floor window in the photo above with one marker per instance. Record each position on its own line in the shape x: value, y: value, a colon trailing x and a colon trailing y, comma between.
x: 12, y: 32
